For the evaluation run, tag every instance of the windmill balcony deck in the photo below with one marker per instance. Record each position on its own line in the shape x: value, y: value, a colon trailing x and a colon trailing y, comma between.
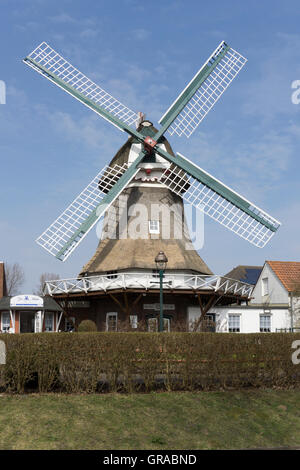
x: 148, y: 282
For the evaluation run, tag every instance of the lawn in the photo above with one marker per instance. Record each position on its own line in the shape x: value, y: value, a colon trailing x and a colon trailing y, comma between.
x: 203, y: 420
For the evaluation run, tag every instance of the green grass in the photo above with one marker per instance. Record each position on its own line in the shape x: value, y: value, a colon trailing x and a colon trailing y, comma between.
x: 204, y: 420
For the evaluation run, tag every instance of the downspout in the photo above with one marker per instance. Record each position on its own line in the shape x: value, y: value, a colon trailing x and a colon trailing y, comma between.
x: 292, y: 311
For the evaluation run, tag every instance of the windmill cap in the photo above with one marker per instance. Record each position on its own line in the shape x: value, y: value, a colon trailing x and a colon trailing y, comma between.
x: 146, y: 123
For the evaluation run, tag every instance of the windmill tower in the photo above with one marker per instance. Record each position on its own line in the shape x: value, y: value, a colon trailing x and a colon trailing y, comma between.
x: 146, y: 218
x: 147, y: 172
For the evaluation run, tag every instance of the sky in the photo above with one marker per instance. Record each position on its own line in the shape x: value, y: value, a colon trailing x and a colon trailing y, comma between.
x: 144, y: 54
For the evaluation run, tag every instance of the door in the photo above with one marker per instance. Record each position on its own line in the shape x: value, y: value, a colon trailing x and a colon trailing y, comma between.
x: 27, y: 322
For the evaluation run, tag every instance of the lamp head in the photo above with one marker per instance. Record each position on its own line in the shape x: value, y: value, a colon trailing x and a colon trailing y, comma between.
x: 161, y: 261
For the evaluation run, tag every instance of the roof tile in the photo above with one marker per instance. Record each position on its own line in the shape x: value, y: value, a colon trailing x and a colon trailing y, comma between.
x: 288, y: 273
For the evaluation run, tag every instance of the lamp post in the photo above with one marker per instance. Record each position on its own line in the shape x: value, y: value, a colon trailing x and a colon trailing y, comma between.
x: 161, y: 263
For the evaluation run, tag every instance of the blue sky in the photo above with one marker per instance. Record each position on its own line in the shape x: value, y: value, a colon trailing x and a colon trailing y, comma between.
x: 144, y: 53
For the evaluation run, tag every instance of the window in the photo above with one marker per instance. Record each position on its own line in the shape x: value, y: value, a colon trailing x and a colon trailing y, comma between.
x: 155, y: 273
x: 265, y: 286
x: 167, y: 324
x: 111, y: 274
x: 265, y: 323
x: 153, y: 323
x: 209, y: 323
x: 70, y: 324
x: 5, y: 322
x: 111, y: 321
x: 153, y: 226
x: 133, y: 321
x: 49, y: 326
x: 234, y: 323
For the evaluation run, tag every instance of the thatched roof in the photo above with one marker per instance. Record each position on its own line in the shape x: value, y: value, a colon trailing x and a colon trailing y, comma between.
x: 116, y: 255
x: 129, y: 253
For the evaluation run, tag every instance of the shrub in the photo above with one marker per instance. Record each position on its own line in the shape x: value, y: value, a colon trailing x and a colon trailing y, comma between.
x: 99, y: 361
x: 87, y: 326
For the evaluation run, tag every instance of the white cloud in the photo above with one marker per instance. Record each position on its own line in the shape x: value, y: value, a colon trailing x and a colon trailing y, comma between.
x: 140, y: 34
x: 63, y: 18
x: 88, y: 33
x: 268, y: 95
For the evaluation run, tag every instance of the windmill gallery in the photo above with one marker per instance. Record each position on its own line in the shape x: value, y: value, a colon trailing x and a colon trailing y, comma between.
x: 122, y: 282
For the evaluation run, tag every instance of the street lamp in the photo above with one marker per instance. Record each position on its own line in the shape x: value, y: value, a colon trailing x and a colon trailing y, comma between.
x: 161, y: 264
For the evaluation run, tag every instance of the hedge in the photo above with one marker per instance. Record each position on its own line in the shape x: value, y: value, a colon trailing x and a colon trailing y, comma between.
x: 95, y: 362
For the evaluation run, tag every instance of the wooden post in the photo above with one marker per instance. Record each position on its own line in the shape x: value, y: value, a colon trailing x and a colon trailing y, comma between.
x: 204, y: 309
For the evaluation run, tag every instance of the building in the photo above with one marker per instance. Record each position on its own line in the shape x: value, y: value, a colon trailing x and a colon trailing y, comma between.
x: 248, y: 274
x: 27, y: 313
x: 119, y: 285
x: 3, y: 288
x: 274, y: 305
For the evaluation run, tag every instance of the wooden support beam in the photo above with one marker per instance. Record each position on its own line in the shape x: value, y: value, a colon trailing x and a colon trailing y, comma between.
x: 204, y: 309
x: 137, y: 300
x: 65, y: 309
x: 117, y: 302
x: 126, y: 304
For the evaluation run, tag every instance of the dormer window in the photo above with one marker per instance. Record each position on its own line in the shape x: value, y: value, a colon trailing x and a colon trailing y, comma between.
x: 154, y: 226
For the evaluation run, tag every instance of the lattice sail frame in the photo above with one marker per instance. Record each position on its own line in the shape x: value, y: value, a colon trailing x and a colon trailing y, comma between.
x: 47, y: 57
x: 84, y: 206
x: 218, y: 207
x: 230, y: 62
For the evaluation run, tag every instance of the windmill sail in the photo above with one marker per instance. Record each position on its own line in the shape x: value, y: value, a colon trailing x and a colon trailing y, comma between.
x: 55, y: 68
x: 204, y: 90
x: 219, y: 202
x: 70, y: 228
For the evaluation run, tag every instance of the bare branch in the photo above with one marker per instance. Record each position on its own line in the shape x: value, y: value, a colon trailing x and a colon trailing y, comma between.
x: 43, y: 278
x: 15, y: 278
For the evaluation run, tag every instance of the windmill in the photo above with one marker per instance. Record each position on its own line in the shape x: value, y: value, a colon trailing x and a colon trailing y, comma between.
x: 181, y: 176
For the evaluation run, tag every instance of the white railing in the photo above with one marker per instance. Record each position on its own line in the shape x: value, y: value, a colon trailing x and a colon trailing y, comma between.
x: 146, y: 281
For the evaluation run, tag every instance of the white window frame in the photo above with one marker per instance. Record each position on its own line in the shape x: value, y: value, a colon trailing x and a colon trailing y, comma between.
x: 52, y: 322
x: 265, y: 286
x: 262, y: 329
x: 166, y: 324
x: 133, y: 321
x: 2, y: 322
x: 111, y: 314
x: 155, y: 322
x: 154, y: 226
x: 234, y: 315
x: 38, y: 321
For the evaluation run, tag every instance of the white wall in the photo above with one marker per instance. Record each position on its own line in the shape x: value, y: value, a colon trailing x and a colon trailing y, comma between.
x: 250, y: 318
x: 277, y: 293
